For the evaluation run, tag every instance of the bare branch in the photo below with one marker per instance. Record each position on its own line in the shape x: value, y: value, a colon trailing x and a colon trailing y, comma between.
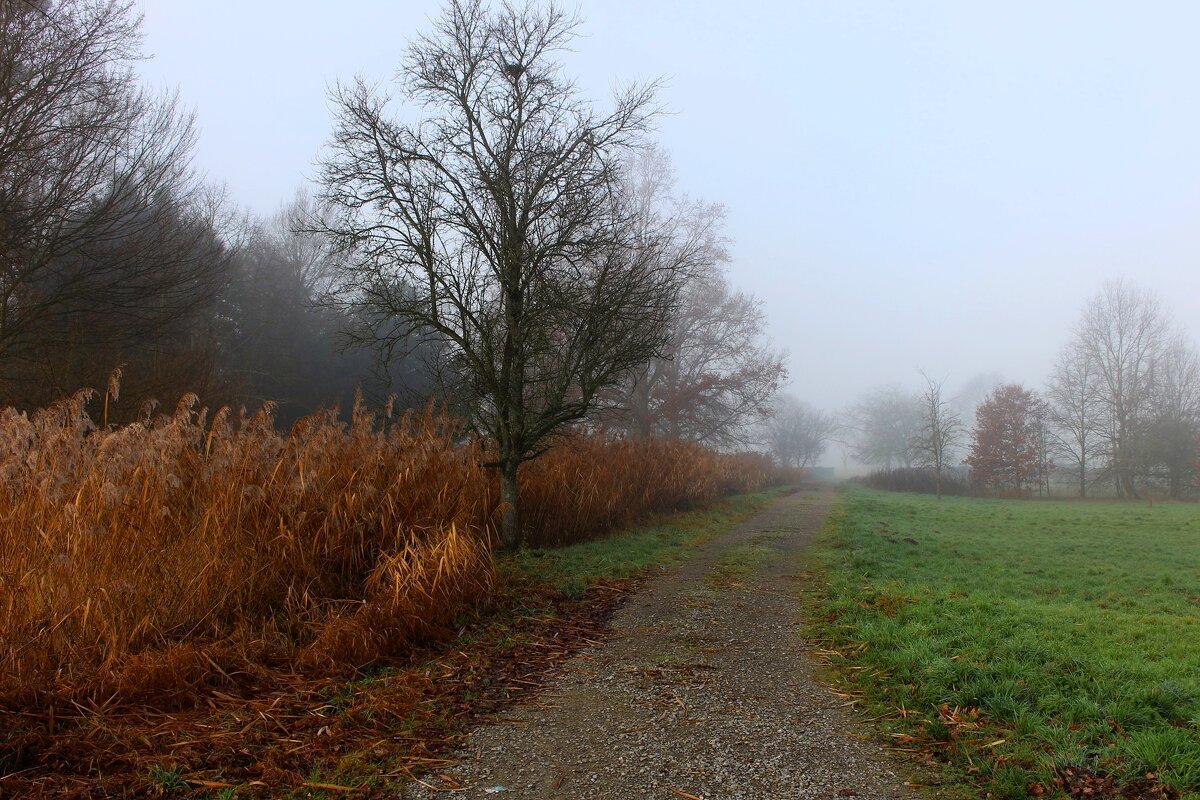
x: 495, y: 225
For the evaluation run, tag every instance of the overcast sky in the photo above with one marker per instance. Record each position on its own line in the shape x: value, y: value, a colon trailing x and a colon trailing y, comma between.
x: 920, y: 184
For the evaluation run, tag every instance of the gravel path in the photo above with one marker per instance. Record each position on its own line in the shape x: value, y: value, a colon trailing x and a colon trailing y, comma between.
x: 705, y: 691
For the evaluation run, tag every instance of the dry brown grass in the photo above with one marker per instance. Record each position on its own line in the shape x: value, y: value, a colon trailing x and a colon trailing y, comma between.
x: 147, y: 560
x: 590, y: 485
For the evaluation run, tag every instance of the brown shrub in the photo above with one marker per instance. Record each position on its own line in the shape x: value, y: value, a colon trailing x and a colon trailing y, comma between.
x: 150, y: 559
x: 589, y: 485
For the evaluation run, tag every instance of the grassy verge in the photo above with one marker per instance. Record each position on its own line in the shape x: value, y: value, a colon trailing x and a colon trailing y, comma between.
x: 1028, y: 648
x: 570, y: 570
x: 362, y: 734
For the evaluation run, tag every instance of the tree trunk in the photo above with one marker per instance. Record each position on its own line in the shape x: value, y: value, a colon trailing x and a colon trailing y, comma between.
x: 510, y: 521
x: 1126, y: 488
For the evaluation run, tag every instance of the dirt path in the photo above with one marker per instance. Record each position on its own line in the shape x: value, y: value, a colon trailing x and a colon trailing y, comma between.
x: 705, y: 691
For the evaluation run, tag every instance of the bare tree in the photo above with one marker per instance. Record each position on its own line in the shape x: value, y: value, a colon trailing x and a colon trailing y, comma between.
x: 717, y: 377
x: 941, y: 431
x: 282, y: 341
x: 315, y: 261
x: 1168, y: 447
x: 883, y: 426
x: 798, y: 434
x: 1045, y: 447
x: 1074, y: 413
x: 496, y: 224
x: 1122, y: 333
x: 97, y: 209
x: 146, y: 300
x: 974, y: 391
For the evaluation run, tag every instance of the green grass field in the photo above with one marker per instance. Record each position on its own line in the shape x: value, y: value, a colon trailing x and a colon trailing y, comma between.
x: 1069, y: 630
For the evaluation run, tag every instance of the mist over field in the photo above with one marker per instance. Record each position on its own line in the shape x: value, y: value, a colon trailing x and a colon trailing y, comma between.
x: 622, y: 400
x: 938, y: 185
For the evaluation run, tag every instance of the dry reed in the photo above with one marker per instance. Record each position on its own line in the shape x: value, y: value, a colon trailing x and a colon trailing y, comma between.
x: 146, y: 560
x: 589, y: 485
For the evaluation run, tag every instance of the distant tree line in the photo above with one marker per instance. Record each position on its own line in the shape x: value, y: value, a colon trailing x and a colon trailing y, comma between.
x: 921, y: 480
x: 1123, y: 404
x: 113, y: 253
x: 1119, y: 415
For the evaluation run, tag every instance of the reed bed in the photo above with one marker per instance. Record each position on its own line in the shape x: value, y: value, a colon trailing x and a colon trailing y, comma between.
x: 145, y: 561
x: 590, y: 485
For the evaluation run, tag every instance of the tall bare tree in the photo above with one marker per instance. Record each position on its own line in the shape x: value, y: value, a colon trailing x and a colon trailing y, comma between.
x: 1168, y: 446
x: 974, y: 391
x: 883, y: 426
x: 279, y: 338
x: 798, y: 434
x: 1074, y: 413
x: 941, y: 431
x: 496, y: 224
x: 101, y: 242
x: 1122, y: 334
x: 717, y: 376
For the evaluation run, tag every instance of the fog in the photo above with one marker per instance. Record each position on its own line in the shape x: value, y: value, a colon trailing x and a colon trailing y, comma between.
x: 938, y: 185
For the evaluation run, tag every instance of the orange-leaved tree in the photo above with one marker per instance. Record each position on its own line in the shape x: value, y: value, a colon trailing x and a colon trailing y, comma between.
x: 1005, y: 448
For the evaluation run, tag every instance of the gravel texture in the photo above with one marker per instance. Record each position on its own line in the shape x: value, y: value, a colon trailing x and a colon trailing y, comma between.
x: 704, y: 691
